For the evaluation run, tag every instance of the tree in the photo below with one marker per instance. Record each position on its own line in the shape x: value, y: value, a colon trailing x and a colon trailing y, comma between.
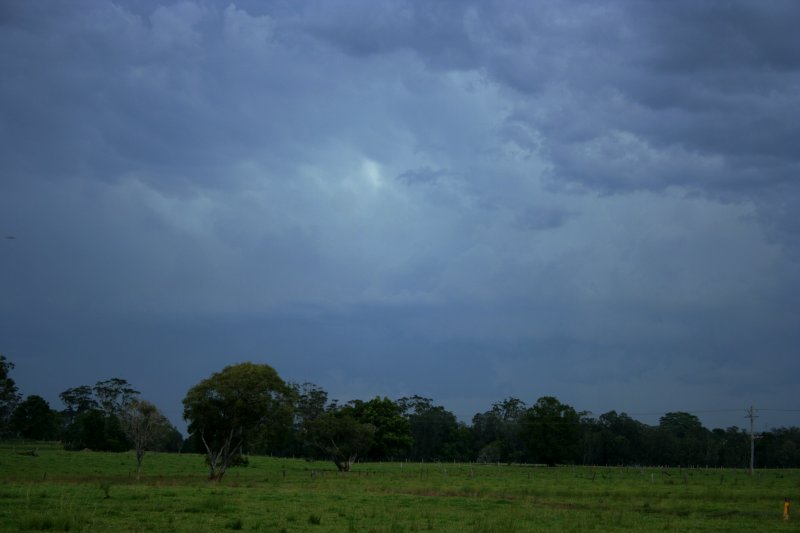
x: 91, y: 415
x: 88, y: 431
x: 33, y: 419
x: 310, y: 402
x: 731, y: 447
x: 9, y: 394
x: 616, y: 439
x: 434, y: 430
x: 684, y: 440
x: 340, y: 437
x: 77, y: 400
x: 234, y: 407
x: 786, y: 453
x: 392, y: 430
x: 487, y: 437
x: 510, y: 409
x: 145, y: 427
x: 497, y: 432
x: 113, y: 395
x: 553, y: 431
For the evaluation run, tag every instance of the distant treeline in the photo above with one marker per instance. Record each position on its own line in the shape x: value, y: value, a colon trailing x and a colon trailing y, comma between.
x: 300, y: 421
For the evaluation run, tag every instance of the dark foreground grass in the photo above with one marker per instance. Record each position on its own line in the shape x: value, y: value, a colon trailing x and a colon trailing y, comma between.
x: 91, y: 491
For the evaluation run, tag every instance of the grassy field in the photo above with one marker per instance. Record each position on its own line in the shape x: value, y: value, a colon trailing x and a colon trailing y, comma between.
x: 93, y: 491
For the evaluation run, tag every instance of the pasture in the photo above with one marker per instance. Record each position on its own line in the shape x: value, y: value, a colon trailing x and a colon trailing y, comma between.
x: 97, y: 492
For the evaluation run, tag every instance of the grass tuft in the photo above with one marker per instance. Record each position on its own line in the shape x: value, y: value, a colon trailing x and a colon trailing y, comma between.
x: 236, y: 524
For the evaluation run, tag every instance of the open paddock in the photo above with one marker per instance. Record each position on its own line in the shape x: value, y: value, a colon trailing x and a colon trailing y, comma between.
x: 56, y: 490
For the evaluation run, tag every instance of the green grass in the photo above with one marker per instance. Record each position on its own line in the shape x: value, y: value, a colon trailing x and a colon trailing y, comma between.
x: 92, y: 491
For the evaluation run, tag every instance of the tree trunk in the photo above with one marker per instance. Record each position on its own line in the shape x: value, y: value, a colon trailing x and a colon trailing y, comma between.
x: 341, y: 466
x: 218, y: 462
x: 344, y: 464
x: 139, y: 458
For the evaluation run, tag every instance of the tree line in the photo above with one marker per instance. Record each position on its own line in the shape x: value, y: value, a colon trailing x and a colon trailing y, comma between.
x: 249, y: 409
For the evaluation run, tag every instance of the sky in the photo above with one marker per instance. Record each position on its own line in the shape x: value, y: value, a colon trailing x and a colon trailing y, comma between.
x: 465, y: 200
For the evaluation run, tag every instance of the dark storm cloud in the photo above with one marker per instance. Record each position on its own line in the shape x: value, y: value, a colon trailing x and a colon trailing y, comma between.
x: 461, y: 199
x: 616, y: 89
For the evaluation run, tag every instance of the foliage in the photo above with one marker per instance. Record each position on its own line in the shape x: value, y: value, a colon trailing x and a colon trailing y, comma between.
x: 91, y: 415
x: 145, y: 427
x: 392, y: 431
x: 683, y: 439
x: 340, y: 437
x: 779, y: 448
x: 9, y: 393
x: 730, y: 448
x: 552, y: 430
x: 33, y: 419
x: 310, y: 402
x: 113, y: 395
x: 94, y: 430
x: 236, y: 407
x: 173, y: 441
x: 613, y: 439
x: 498, y: 432
x: 435, y: 432
x: 77, y: 400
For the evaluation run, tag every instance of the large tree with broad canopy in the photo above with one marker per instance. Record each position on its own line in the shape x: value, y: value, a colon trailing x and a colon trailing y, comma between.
x: 240, y: 404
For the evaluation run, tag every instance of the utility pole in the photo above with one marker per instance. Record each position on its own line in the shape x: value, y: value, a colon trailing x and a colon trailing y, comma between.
x: 751, y: 414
